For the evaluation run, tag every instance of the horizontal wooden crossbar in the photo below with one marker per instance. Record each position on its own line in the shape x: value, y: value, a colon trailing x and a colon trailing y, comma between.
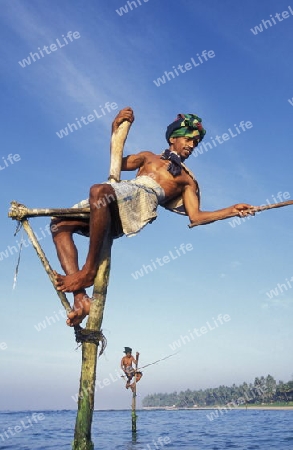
x: 20, y: 212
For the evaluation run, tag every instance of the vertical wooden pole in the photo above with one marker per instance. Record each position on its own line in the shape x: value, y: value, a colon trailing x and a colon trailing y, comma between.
x: 82, y: 436
x: 118, y: 139
x: 133, y: 413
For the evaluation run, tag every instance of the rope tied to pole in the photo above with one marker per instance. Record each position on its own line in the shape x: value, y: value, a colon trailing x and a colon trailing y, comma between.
x: 95, y: 337
x: 18, y: 228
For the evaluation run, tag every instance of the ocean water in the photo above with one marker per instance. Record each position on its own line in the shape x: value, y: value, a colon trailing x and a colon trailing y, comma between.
x: 178, y: 429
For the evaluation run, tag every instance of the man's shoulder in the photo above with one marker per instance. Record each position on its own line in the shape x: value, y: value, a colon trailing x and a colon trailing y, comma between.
x: 149, y: 154
x: 189, y: 172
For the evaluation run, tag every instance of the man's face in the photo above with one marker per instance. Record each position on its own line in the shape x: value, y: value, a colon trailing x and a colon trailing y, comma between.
x: 128, y: 354
x: 183, y: 145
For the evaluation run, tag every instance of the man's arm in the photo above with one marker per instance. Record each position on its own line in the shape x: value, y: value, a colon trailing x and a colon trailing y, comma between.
x: 133, y: 162
x: 198, y: 217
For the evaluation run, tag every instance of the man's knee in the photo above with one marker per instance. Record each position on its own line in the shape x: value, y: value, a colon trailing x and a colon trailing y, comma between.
x: 101, y: 195
x: 61, y: 226
x: 54, y: 225
x: 100, y: 190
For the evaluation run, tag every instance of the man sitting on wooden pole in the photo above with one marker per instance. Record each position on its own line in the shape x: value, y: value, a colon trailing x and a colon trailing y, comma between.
x: 127, y: 206
x: 126, y: 366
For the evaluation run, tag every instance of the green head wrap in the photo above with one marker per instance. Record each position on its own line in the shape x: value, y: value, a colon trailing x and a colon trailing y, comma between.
x: 188, y: 125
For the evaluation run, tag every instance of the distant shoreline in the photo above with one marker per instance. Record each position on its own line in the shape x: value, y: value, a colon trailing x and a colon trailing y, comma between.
x: 160, y: 408
x: 281, y: 408
x: 240, y: 408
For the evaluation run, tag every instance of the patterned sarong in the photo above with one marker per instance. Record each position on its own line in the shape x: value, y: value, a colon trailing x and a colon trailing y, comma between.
x: 129, y: 370
x: 137, y: 202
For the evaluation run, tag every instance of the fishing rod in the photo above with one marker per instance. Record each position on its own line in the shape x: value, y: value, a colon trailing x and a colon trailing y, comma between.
x: 152, y: 363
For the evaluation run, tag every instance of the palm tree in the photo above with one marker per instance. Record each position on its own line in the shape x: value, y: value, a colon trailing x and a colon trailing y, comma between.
x: 271, y: 387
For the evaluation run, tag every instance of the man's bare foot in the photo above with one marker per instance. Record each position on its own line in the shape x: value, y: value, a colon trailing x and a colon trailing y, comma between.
x: 74, y: 282
x: 81, y: 309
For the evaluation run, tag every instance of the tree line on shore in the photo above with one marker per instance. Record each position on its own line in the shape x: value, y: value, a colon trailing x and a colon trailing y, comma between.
x: 263, y: 390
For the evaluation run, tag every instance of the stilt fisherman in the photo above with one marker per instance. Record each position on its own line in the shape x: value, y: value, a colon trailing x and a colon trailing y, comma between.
x: 126, y: 366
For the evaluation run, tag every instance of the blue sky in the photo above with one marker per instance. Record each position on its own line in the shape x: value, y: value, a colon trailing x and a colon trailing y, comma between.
x: 230, y: 268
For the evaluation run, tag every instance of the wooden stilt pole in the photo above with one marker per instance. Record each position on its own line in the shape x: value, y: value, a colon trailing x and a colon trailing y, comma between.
x: 133, y: 412
x: 82, y: 437
x: 45, y: 262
